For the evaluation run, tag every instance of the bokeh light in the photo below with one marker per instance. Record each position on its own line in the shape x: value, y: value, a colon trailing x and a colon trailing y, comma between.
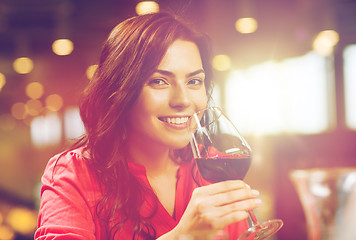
x: 18, y: 111
x: 46, y: 130
x: 34, y: 90
x: 73, y: 125
x: 90, y: 71
x: 221, y: 62
x: 6, y: 233
x: 265, y: 98
x: 325, y: 42
x: 246, y: 25
x: 146, y: 7
x: 62, y: 47
x: 54, y: 102
x: 349, y: 56
x: 33, y: 107
x: 2, y: 81
x: 22, y: 220
x: 23, y: 65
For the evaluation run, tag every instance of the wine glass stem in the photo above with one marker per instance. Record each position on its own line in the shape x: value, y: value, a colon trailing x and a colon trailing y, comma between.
x: 253, y: 217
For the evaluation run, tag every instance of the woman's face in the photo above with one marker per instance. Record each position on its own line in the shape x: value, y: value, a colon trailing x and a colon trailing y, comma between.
x: 169, y: 97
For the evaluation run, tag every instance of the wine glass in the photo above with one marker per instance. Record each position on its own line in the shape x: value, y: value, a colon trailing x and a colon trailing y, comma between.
x: 221, y: 154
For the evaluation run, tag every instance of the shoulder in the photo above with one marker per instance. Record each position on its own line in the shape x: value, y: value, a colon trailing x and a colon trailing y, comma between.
x: 69, y: 175
x: 69, y: 165
x: 69, y: 195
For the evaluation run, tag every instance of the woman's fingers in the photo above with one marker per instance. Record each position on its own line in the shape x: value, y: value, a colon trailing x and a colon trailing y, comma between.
x: 215, y: 206
x: 223, y: 198
x: 227, y: 192
x: 225, y: 186
x: 220, y: 217
x: 236, y: 209
x: 242, y: 206
x: 234, y: 196
x: 232, y: 217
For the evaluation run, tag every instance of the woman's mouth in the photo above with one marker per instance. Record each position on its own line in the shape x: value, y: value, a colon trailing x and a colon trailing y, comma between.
x: 175, y: 120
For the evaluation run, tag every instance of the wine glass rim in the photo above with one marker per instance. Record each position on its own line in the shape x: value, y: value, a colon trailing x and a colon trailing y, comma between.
x: 215, y: 109
x: 210, y: 107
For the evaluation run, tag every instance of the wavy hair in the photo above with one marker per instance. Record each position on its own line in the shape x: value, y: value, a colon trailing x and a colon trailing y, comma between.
x: 130, y: 55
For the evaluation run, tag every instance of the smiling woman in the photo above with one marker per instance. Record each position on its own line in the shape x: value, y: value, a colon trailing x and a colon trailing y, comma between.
x: 131, y: 176
x: 173, y: 93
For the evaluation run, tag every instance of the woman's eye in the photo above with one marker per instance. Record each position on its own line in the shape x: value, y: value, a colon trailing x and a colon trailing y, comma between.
x: 157, y: 82
x: 195, y: 82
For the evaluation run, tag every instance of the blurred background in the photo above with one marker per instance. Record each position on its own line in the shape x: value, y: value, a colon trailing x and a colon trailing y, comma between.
x: 285, y: 72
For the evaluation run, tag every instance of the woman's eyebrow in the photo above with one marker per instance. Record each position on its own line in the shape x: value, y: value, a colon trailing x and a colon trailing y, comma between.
x: 171, y: 74
x: 195, y: 73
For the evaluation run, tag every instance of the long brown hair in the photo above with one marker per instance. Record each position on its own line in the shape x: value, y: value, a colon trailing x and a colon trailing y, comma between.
x: 130, y: 55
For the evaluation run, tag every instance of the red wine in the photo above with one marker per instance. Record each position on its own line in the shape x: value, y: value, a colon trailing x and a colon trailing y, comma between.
x: 223, y: 168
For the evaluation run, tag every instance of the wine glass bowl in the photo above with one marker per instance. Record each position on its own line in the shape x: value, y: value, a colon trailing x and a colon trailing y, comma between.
x: 221, y: 154
x: 219, y: 150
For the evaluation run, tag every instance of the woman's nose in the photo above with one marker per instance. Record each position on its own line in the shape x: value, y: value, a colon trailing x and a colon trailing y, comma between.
x: 179, y: 97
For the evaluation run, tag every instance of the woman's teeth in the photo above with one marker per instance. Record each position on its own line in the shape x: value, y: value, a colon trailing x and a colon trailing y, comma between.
x: 178, y: 120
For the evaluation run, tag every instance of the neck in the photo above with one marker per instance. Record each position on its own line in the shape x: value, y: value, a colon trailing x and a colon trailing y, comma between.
x: 157, y: 159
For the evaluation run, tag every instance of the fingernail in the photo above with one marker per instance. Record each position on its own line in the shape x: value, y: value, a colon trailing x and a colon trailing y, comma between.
x: 255, y: 192
x: 248, y: 186
x: 258, y: 201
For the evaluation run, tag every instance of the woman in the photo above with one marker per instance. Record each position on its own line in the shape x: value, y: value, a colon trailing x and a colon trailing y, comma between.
x: 132, y: 176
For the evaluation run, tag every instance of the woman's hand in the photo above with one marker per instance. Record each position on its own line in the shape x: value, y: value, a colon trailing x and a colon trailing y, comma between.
x: 213, y: 207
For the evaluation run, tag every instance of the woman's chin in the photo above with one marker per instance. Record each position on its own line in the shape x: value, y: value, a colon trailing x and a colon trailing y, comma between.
x: 180, y: 143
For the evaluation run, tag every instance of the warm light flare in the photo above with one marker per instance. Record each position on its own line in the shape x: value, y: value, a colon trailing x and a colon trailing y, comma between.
x: 91, y: 70
x: 22, y: 220
x: 34, y: 90
x: 18, y: 111
x: 266, y: 98
x: 46, y: 130
x: 349, y: 56
x: 246, y: 25
x: 33, y: 107
x: 6, y: 233
x: 23, y: 65
x: 221, y: 62
x: 54, y: 102
x: 2, y: 81
x: 146, y: 7
x: 73, y: 125
x: 325, y: 42
x: 62, y: 47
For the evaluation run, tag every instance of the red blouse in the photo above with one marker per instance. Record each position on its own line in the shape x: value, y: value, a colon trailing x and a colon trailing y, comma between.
x: 70, y: 192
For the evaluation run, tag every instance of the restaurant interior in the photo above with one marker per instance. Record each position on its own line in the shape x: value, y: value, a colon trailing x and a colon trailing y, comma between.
x: 284, y: 70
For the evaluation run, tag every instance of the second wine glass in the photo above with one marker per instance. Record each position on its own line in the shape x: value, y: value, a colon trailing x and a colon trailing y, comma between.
x: 221, y: 154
